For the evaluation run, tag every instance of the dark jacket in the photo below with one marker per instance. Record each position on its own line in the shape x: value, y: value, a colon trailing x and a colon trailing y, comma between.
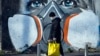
x: 56, y: 30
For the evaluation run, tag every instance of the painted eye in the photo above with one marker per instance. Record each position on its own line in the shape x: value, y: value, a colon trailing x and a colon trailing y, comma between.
x: 36, y: 4
x: 68, y: 3
x: 31, y: 5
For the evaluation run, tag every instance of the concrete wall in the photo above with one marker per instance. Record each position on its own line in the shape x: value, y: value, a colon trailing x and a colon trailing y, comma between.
x: 10, y: 7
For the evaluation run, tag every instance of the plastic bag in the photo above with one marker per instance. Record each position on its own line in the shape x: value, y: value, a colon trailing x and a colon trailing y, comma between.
x: 53, y: 49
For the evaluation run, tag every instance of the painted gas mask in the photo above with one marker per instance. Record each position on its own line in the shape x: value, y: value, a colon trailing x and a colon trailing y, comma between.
x: 35, y: 25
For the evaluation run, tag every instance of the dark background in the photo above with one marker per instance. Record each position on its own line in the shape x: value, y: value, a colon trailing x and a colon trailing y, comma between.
x: 9, y: 8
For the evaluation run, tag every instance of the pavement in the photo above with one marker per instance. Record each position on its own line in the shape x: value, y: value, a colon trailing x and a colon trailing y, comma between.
x: 66, y: 54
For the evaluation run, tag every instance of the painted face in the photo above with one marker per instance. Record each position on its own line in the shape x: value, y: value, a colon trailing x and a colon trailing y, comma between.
x: 30, y: 5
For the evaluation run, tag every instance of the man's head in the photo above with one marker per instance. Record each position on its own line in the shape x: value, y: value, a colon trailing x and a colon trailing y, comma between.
x: 52, y: 14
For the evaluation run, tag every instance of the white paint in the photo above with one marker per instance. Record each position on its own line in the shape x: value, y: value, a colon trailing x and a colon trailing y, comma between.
x: 83, y: 29
x: 22, y: 30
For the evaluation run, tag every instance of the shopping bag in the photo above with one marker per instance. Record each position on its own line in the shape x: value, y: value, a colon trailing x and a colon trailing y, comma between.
x: 53, y: 49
